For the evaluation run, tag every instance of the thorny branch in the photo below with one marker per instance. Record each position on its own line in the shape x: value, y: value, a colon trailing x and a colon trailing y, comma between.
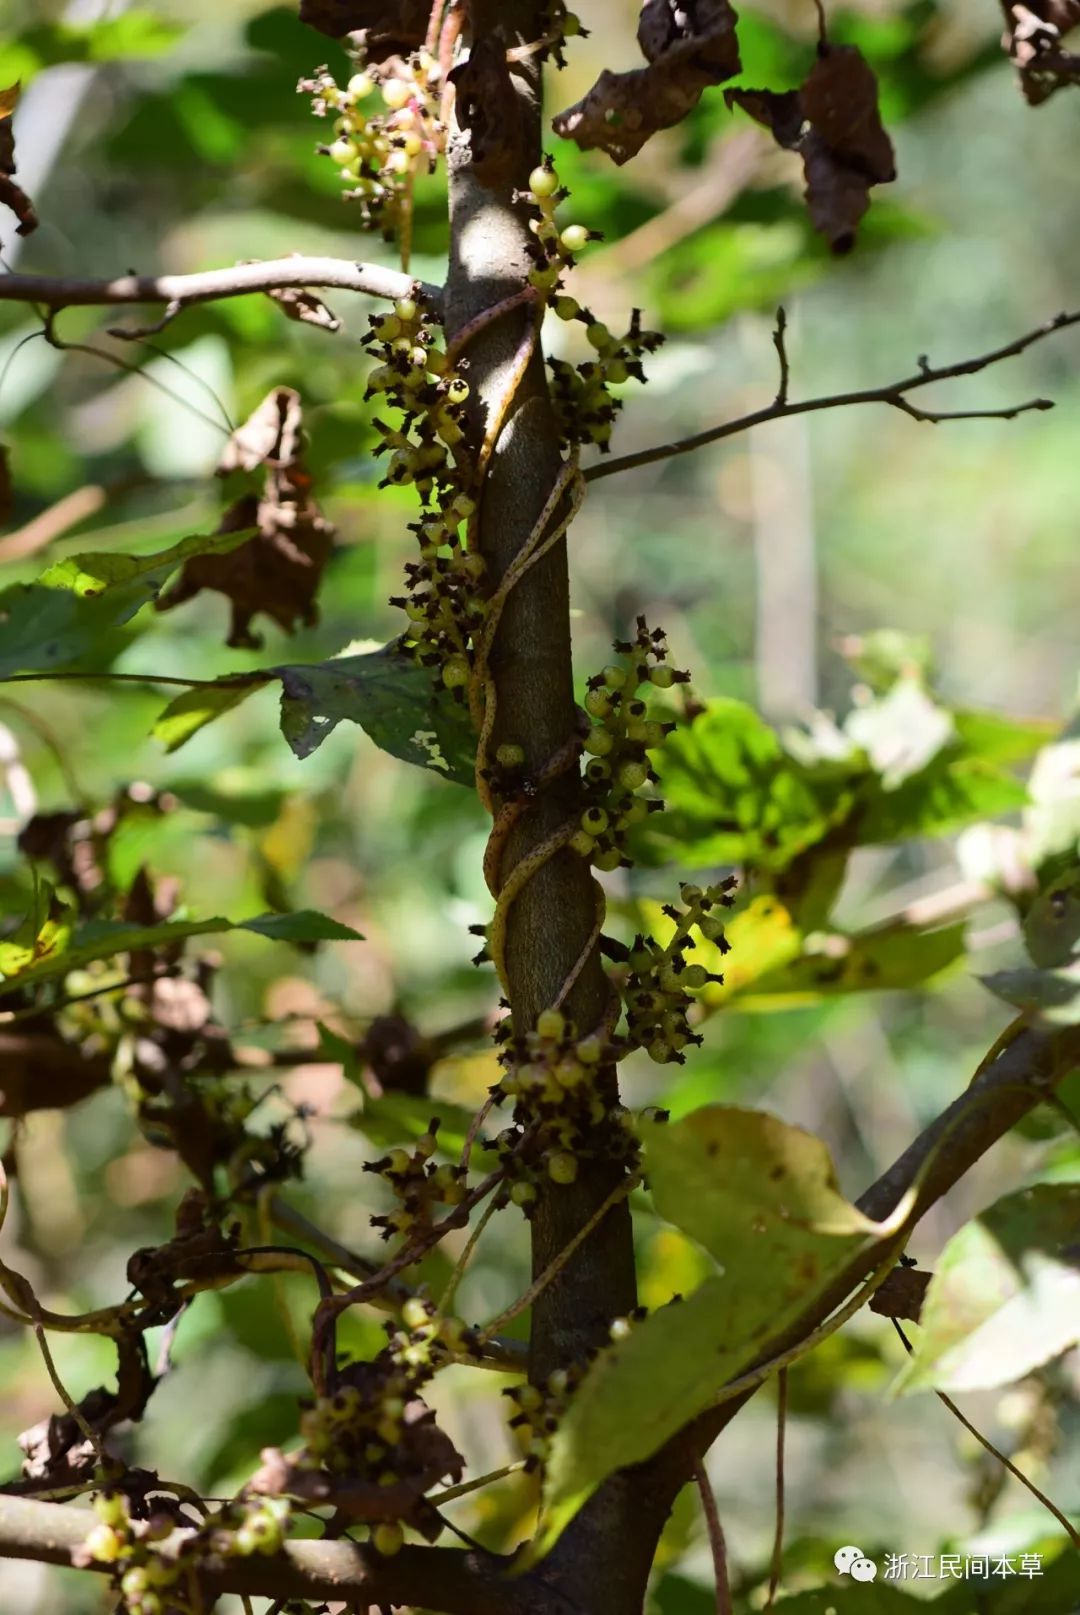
x: 895, y: 394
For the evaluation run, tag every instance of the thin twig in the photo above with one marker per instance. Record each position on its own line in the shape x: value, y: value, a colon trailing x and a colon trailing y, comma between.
x: 779, y: 343
x: 823, y: 31
x: 778, y: 1539
x: 995, y: 1452
x: 556, y: 1265
x: 208, y: 285
x: 895, y: 395
x: 716, y: 1538
x: 446, y: 1300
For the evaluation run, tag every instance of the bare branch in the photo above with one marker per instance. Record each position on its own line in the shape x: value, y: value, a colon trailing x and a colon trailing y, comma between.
x: 209, y: 285
x: 439, y: 1578
x: 895, y: 395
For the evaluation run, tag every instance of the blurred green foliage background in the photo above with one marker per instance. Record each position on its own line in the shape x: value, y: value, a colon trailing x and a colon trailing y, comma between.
x: 171, y: 136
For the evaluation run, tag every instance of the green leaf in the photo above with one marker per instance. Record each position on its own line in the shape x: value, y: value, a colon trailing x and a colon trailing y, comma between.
x: 1005, y: 1297
x: 1052, y: 923
x: 139, y: 32
x: 402, y: 1118
x: 1050, y: 996
x: 61, y: 615
x: 949, y: 793
x: 735, y: 796
x: 196, y: 708
x: 393, y: 699
x: 722, y: 1171
x: 340, y: 1051
x: 998, y: 739
x: 902, y: 957
x: 761, y: 1196
x: 304, y: 925
x: 43, y: 933
x: 102, y: 939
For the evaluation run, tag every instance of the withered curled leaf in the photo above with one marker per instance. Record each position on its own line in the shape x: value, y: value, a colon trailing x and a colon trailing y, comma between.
x: 489, y: 108
x: 834, y: 124
x: 397, y: 24
x: 278, y: 571
x: 12, y: 195
x: 690, y: 45
x: 901, y: 1295
x: 296, y: 303
x: 1034, y: 37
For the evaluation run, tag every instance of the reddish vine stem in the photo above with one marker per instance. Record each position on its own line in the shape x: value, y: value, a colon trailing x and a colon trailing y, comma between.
x: 717, y: 1541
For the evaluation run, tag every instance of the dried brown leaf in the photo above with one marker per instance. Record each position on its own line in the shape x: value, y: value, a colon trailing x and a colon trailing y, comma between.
x: 834, y: 124
x: 1033, y: 38
x: 488, y: 106
x: 690, y: 46
x: 399, y: 22
x: 11, y: 194
x: 297, y: 303
x: 901, y: 1294
x: 278, y: 571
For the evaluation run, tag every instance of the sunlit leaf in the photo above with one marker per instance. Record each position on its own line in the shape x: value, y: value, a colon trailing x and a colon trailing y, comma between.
x: 393, y: 699
x: 196, y: 708
x: 103, y: 939
x: 1005, y: 1297
x: 761, y: 1196
x: 735, y: 796
x: 902, y: 956
x: 59, y: 617
x: 42, y: 935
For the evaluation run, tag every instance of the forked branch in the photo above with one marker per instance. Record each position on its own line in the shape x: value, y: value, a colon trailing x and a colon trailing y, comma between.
x: 896, y: 395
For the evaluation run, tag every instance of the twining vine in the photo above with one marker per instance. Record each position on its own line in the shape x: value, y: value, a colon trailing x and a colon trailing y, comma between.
x: 370, y: 1447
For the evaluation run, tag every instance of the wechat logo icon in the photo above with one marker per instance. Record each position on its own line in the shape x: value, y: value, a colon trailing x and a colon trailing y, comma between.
x: 852, y: 1561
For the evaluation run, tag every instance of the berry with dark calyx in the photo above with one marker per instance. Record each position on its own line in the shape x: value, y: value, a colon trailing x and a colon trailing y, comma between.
x: 562, y: 1167
x: 388, y: 1538
x: 543, y: 181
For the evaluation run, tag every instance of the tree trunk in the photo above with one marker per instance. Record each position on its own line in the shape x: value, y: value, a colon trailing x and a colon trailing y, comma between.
x: 553, y: 917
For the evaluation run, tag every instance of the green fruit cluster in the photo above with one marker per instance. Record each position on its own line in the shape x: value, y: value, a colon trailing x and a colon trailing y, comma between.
x: 661, y: 982
x: 387, y: 131
x: 623, y: 733
x: 418, y: 1185
x: 553, y: 1076
x: 146, y: 1582
x: 444, y: 604
x: 553, y: 247
x: 537, y: 1412
x: 370, y: 1428
x: 584, y: 403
